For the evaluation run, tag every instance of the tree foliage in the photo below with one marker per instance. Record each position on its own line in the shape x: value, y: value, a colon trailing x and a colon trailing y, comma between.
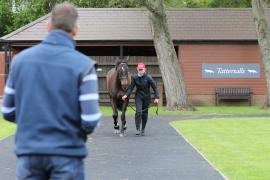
x: 123, y: 4
x: 25, y: 11
x: 230, y: 3
x: 187, y: 3
x: 17, y: 13
x: 5, y: 16
x: 208, y: 3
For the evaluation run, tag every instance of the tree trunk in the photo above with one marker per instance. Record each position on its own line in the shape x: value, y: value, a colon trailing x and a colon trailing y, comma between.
x: 176, y: 95
x: 263, y: 35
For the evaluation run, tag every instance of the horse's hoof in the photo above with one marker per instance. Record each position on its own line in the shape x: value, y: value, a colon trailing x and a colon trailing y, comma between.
x: 122, y: 135
x: 116, y: 131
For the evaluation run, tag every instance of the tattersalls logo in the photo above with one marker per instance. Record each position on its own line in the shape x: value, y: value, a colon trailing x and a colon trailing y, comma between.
x: 230, y: 70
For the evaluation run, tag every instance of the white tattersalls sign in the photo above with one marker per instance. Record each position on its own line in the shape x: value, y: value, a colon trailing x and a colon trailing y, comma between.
x: 230, y: 70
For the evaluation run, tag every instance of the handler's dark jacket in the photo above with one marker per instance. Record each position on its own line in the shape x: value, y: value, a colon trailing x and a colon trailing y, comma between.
x: 143, y: 84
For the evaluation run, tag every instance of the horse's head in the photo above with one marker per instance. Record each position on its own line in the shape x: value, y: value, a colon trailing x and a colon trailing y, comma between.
x: 122, y: 75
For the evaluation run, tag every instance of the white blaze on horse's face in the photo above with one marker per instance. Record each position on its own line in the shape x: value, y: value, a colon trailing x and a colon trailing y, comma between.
x: 123, y: 75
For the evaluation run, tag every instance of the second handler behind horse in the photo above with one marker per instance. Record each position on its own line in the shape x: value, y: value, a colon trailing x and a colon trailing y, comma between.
x: 142, y: 81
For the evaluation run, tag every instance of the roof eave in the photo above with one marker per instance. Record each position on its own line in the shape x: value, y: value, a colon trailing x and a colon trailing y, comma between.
x: 129, y: 42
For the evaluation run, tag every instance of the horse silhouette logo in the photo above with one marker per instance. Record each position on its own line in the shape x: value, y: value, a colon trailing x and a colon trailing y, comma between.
x: 209, y: 71
x: 252, y: 71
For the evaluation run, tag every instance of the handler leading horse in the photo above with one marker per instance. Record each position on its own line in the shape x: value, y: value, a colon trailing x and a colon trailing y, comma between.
x: 118, y: 80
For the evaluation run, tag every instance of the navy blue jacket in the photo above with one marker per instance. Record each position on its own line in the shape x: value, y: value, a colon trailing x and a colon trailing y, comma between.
x: 52, y: 95
x: 143, y: 84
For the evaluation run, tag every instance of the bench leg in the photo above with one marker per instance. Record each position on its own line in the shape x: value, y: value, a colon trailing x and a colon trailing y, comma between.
x: 217, y: 101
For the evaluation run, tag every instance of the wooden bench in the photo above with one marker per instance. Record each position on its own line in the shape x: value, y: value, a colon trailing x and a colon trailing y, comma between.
x: 225, y: 93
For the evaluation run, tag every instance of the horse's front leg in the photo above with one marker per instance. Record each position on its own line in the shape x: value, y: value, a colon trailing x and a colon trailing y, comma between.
x: 115, y: 115
x: 123, y: 115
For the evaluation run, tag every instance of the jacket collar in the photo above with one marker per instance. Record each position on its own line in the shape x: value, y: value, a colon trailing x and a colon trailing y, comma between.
x: 59, y: 37
x: 141, y: 75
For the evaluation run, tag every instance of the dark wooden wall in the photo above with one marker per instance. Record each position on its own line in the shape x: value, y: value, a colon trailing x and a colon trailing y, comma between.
x: 105, y: 63
x: 191, y: 57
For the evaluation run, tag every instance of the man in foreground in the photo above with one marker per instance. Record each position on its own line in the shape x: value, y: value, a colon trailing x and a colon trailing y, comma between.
x: 52, y: 95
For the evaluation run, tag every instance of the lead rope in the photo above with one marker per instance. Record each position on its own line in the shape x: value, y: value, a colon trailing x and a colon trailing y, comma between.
x: 156, y: 117
x: 145, y: 109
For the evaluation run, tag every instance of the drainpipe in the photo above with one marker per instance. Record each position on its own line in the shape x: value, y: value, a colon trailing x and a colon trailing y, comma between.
x: 121, y: 52
x: 6, y: 58
x: 6, y: 70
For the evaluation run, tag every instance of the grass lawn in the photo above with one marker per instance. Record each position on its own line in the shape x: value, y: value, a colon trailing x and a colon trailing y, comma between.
x: 239, y: 147
x: 107, y: 111
x: 6, y: 128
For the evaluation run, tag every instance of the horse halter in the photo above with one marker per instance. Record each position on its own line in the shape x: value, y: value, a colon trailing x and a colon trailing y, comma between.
x: 122, y: 75
x: 122, y: 71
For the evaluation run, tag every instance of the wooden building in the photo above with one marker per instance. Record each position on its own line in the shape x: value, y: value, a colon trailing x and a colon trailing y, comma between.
x: 212, y: 45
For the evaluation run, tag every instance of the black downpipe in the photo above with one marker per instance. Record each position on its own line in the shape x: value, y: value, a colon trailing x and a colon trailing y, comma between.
x: 121, y: 52
x: 7, y: 61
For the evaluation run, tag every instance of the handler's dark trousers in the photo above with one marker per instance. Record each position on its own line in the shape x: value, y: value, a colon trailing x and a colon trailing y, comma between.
x: 141, y: 115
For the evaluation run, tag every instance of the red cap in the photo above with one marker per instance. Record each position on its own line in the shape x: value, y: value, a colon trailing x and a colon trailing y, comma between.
x: 141, y: 66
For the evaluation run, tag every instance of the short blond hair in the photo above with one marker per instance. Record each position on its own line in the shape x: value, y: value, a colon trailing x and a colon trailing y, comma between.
x: 64, y: 16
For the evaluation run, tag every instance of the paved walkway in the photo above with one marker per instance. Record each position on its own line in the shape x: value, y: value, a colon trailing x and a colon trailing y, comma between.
x: 160, y: 155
